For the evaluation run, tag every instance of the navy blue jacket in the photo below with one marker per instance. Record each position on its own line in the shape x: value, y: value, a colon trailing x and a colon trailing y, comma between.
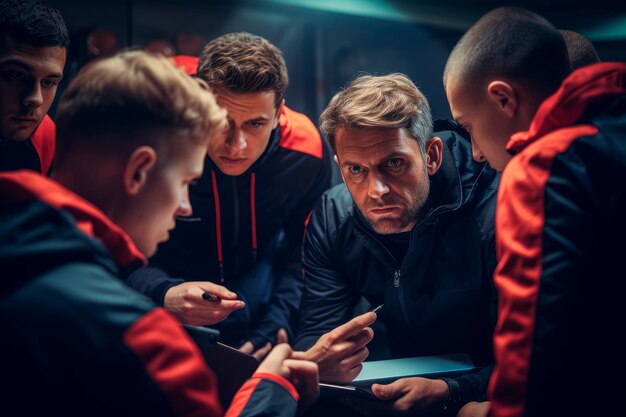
x: 559, y: 342
x: 76, y: 340
x: 440, y: 299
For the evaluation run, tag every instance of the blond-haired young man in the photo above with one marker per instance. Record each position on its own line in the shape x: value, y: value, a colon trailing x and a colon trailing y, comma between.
x: 132, y: 134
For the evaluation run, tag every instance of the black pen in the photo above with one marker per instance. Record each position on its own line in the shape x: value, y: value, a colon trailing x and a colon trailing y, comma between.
x: 377, y: 309
x: 211, y: 297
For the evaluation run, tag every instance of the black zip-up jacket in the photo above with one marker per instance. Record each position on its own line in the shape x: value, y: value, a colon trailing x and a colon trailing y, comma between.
x: 440, y: 299
x: 76, y: 341
x: 261, y: 217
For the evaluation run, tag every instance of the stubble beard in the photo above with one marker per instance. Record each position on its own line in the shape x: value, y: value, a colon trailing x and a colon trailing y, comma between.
x: 410, y: 213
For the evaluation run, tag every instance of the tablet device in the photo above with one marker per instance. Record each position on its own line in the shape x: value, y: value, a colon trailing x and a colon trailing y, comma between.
x: 387, y: 371
x: 347, y: 390
x: 231, y: 366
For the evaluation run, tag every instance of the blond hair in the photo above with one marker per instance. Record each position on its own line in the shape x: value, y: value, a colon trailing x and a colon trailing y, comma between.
x: 244, y: 63
x: 389, y: 101
x: 135, y: 98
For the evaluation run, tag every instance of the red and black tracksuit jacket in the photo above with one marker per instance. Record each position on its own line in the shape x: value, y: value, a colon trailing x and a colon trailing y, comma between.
x: 76, y: 340
x: 561, y: 241
x: 35, y: 153
x: 246, y: 233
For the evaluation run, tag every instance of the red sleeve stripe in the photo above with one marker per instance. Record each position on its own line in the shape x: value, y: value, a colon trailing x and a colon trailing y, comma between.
x: 519, y: 234
x: 242, y: 397
x: 245, y: 392
x: 279, y: 380
x: 175, y: 364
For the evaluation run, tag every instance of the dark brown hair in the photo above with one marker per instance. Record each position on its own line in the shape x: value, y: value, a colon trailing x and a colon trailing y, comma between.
x: 244, y: 63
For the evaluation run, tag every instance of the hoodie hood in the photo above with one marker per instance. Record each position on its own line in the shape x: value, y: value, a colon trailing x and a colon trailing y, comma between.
x: 44, y: 225
x: 579, y: 92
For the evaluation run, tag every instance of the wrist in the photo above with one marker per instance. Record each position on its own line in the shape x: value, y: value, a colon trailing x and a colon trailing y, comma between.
x: 454, y: 399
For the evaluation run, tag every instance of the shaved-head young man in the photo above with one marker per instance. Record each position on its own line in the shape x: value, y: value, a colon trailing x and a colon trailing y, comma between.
x: 559, y: 140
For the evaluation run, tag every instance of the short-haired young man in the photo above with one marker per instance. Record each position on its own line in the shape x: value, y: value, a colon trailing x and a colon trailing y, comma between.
x: 558, y: 139
x: 132, y: 133
x: 33, y: 50
x: 250, y: 205
x: 411, y: 228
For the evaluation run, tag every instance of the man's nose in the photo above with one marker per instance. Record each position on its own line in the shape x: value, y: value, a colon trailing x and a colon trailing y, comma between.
x: 236, y: 140
x: 377, y: 187
x: 184, y: 206
x: 477, y: 154
x: 33, y: 97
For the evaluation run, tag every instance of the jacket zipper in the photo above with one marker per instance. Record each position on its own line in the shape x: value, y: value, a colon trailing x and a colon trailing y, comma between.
x: 396, y: 278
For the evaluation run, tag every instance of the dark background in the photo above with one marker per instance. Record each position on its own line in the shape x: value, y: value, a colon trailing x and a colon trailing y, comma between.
x: 326, y: 42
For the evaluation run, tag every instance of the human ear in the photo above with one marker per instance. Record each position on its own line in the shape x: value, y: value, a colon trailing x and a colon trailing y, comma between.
x: 434, y: 152
x: 340, y: 171
x: 138, y: 166
x: 504, y: 96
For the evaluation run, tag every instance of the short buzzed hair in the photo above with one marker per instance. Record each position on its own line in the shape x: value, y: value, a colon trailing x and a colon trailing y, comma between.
x: 133, y: 99
x: 244, y: 63
x: 388, y: 101
x: 512, y: 43
x: 33, y: 22
x: 580, y: 49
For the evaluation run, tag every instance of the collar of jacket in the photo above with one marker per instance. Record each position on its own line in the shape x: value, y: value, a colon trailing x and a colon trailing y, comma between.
x: 581, y: 90
x: 24, y: 186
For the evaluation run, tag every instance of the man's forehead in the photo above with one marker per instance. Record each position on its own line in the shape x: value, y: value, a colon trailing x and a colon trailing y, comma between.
x: 248, y: 105
x: 46, y: 58
x: 374, y: 143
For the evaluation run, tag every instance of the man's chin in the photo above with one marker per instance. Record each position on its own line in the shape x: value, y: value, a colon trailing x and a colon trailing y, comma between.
x: 386, y: 226
x: 18, y: 135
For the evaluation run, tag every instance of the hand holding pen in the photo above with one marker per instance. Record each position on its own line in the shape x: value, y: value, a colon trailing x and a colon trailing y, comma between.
x: 201, y: 303
x: 211, y: 297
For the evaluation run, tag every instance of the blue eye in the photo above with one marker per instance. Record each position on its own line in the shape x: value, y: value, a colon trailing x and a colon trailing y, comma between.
x: 394, y: 163
x: 355, y: 169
